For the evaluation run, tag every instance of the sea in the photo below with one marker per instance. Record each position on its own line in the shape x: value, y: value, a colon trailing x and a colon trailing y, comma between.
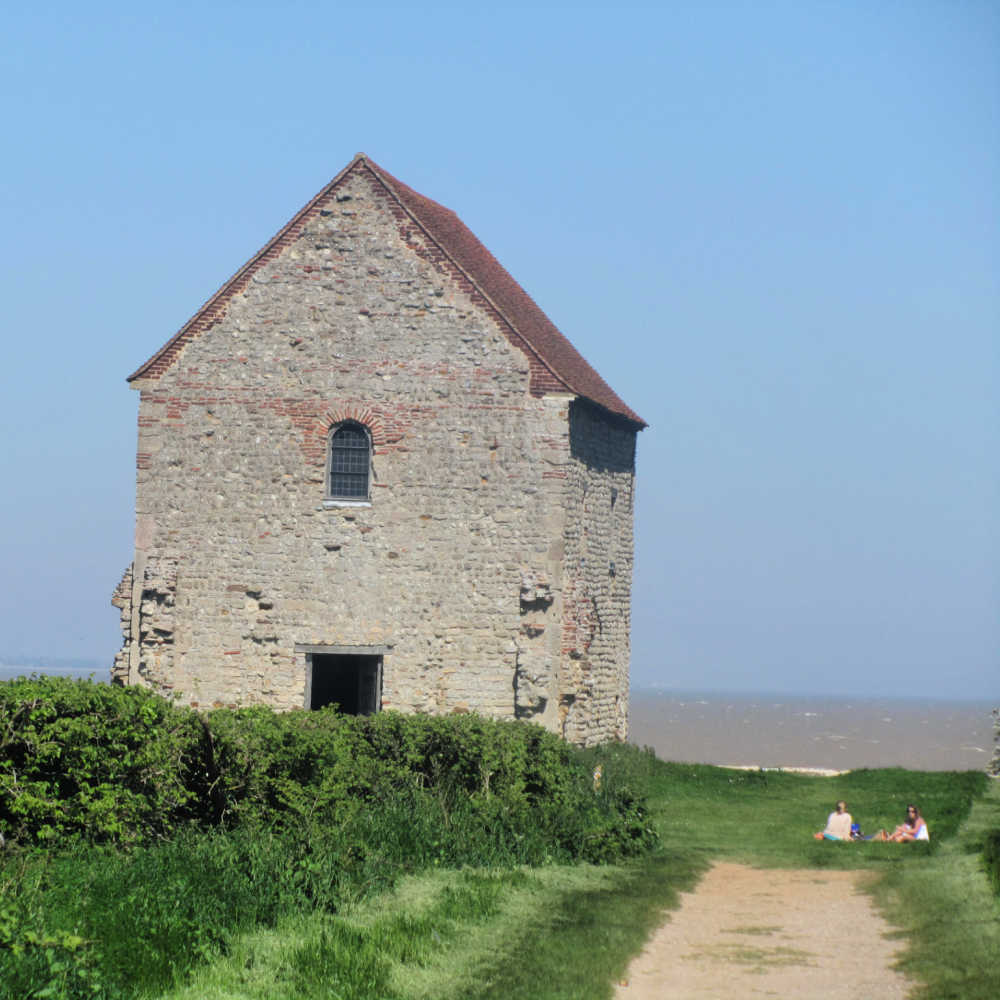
x: 782, y: 731
x: 761, y: 730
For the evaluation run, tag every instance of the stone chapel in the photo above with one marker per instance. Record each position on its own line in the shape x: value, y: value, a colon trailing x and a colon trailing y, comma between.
x: 371, y: 472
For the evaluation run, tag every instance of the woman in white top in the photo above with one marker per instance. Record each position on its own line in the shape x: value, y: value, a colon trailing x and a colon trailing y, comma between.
x: 912, y: 828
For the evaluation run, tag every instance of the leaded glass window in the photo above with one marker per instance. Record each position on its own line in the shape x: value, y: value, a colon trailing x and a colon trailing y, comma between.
x: 350, y: 461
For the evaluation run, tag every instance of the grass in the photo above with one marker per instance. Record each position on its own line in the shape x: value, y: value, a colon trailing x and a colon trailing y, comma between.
x: 758, y: 959
x: 767, y: 818
x: 458, y: 934
x: 764, y: 819
x: 567, y: 932
x: 948, y: 913
x: 275, y: 918
x: 577, y: 941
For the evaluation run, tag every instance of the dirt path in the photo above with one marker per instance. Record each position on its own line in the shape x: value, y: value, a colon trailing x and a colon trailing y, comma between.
x: 748, y: 932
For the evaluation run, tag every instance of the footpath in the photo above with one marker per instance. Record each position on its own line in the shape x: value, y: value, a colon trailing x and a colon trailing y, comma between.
x: 749, y: 932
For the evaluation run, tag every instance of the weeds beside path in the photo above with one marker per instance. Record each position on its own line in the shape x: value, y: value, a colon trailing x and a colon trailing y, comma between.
x: 949, y: 916
x: 941, y: 926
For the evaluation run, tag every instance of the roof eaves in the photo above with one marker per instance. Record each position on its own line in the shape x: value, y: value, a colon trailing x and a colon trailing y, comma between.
x: 395, y: 187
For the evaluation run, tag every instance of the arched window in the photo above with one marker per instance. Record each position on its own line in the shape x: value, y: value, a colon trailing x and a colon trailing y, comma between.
x: 350, y: 462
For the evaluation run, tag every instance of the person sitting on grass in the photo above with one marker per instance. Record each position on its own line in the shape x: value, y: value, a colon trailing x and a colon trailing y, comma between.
x: 838, y: 824
x: 912, y: 828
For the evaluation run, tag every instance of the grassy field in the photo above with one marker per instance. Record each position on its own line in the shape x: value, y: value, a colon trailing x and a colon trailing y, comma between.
x: 949, y: 915
x: 567, y: 932
x: 248, y: 855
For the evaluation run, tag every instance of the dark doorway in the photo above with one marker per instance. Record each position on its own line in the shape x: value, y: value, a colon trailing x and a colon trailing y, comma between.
x: 352, y: 682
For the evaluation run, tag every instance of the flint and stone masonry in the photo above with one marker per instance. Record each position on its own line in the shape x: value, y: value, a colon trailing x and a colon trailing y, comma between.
x: 480, y: 557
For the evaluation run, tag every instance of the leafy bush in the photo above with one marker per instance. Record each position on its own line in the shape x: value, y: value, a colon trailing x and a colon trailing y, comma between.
x: 231, y: 819
x: 313, y: 763
x: 518, y: 792
x: 38, y: 965
x: 289, y: 768
x: 123, y: 765
x: 105, y: 922
x: 76, y: 757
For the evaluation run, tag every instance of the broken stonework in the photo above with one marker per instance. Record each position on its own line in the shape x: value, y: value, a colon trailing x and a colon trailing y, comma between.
x: 536, y: 593
x: 122, y: 599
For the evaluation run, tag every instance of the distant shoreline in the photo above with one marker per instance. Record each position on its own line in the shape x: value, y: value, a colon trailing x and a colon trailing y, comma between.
x: 816, y: 772
x: 55, y: 668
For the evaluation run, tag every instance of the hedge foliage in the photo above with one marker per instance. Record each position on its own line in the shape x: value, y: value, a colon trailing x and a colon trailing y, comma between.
x: 84, y: 758
x: 143, y: 836
x: 122, y: 765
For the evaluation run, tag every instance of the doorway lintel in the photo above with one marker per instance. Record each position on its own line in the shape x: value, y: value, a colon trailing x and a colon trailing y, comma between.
x: 335, y: 650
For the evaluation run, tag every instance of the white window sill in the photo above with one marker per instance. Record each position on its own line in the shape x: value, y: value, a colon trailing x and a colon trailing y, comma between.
x: 327, y: 504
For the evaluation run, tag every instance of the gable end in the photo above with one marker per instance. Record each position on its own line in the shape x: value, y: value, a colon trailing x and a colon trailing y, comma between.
x: 451, y: 248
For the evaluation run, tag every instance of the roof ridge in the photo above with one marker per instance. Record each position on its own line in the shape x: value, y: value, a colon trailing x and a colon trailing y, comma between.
x: 510, y: 301
x: 381, y: 176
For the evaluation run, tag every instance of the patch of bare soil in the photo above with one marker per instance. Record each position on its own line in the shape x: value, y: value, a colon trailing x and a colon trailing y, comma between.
x: 748, y: 932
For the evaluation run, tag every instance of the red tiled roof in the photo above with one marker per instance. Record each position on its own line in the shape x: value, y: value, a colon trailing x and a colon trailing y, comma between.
x: 555, y: 362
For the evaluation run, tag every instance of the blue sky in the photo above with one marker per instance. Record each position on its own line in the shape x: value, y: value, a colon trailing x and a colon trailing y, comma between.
x: 772, y: 227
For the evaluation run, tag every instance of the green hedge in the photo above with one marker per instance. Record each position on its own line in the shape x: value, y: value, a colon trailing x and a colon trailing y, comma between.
x: 121, y: 765
x: 105, y: 762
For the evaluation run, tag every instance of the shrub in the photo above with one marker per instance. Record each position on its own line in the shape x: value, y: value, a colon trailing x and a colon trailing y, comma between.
x: 123, y: 765
x: 77, y: 757
x: 289, y: 768
x: 518, y: 792
x: 130, y: 922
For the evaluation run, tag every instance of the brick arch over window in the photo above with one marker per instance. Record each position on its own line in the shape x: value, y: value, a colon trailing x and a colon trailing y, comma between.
x: 354, y: 415
x: 319, y: 426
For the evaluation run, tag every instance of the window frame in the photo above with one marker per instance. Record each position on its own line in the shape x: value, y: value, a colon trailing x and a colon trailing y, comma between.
x: 340, y: 499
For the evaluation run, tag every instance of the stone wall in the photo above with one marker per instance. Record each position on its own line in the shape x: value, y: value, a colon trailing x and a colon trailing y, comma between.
x: 493, y: 563
x: 597, y: 576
